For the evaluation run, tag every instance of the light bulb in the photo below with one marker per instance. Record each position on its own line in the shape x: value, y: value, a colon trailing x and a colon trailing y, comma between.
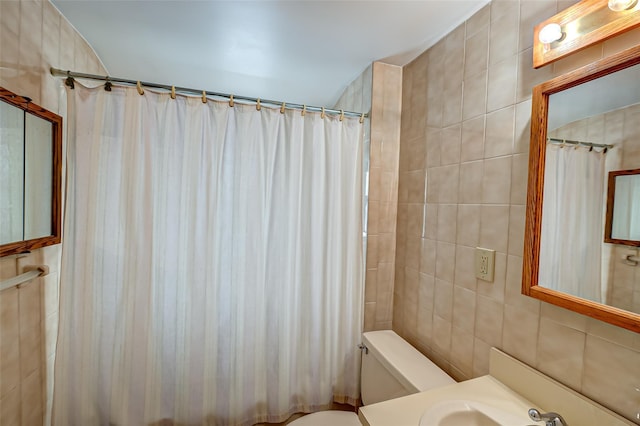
x: 620, y: 5
x: 550, y: 33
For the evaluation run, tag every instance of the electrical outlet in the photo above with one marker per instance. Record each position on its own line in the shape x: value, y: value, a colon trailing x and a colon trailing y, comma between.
x: 485, y: 261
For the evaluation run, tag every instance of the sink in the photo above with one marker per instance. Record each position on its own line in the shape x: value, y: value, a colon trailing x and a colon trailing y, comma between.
x: 462, y: 412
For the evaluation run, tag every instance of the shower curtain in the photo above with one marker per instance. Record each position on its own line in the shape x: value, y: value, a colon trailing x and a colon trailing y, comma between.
x: 573, y: 222
x: 212, y: 267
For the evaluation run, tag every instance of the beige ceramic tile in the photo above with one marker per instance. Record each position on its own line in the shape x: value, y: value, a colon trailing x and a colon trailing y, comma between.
x: 452, y: 106
x: 443, y: 305
x: 462, y: 351
x: 416, y: 151
x: 472, y: 147
x: 478, y: 21
x: 474, y: 101
x: 471, y: 174
x: 501, y: 88
x: 476, y: 52
x: 31, y: 350
x: 516, y: 230
x: 560, y: 352
x: 369, y: 316
x: 520, y: 333
x: 494, y: 227
x: 450, y: 149
x: 425, y: 326
x: 565, y: 317
x: 415, y: 220
x: 528, y: 77
x: 499, y: 132
x: 447, y: 221
x: 611, y: 375
x: 433, y: 145
x: 445, y: 261
x: 431, y: 221
x: 577, y: 59
x: 372, y: 253
x: 32, y: 407
x: 371, y: 285
x: 11, y: 406
x: 442, y: 336
x: 465, y: 272
x: 447, y: 190
x: 468, y: 225
x: 464, y: 309
x: 489, y: 317
x: 428, y: 256
x: 480, y: 357
x: 621, y: 42
x: 412, y: 253
x: 502, y: 47
x: 416, y: 183
x: 496, y: 180
x: 522, y: 127
x: 519, y: 179
x: 513, y: 287
x: 386, y: 249
x: 9, y: 342
x: 613, y: 334
x: 426, y: 292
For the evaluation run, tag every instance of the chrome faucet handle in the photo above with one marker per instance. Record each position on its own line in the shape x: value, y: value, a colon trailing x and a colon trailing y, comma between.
x: 550, y: 419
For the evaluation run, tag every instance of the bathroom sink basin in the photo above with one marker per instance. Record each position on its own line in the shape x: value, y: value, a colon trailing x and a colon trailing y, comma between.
x: 470, y: 413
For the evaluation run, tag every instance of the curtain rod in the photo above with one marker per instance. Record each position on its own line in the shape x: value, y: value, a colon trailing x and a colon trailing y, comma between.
x: 570, y: 142
x: 72, y: 74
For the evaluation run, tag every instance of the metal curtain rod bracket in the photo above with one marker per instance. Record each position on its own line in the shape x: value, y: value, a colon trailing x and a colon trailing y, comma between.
x: 70, y: 75
x: 587, y: 144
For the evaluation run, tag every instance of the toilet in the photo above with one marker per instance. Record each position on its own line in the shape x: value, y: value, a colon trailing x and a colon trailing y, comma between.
x: 391, y: 368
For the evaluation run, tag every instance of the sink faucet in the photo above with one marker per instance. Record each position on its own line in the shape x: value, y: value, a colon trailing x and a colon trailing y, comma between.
x: 550, y: 419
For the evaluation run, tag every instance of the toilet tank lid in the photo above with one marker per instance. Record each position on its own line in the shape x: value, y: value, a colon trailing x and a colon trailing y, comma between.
x: 414, y: 370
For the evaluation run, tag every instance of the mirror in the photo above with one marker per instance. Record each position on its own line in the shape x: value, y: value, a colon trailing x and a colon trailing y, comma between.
x: 623, y: 208
x: 584, y: 125
x: 30, y: 175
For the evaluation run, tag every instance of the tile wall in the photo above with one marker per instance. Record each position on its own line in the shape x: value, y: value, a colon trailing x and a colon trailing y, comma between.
x: 34, y: 37
x: 378, y: 90
x: 466, y: 109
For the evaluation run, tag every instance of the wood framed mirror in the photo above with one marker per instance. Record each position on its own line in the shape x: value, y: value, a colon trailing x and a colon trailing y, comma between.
x: 30, y: 175
x: 593, y: 111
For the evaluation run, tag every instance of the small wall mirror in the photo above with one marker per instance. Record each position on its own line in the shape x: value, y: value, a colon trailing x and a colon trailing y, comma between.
x: 623, y: 208
x: 582, y: 221
x: 30, y: 175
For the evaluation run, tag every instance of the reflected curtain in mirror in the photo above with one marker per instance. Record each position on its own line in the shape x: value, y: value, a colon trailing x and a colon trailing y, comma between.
x: 572, y: 222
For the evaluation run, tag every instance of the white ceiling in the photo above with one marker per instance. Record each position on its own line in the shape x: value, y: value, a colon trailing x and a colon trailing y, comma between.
x: 304, y: 51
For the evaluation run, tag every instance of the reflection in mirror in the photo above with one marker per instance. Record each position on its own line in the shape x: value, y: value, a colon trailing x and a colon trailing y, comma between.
x: 623, y: 208
x: 11, y: 172
x: 30, y: 175
x: 592, y: 128
x: 584, y: 125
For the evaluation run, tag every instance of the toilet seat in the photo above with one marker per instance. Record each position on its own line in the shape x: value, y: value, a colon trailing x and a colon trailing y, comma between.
x: 328, y: 418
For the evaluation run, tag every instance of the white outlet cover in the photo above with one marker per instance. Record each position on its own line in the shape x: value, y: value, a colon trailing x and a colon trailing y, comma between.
x: 485, y: 260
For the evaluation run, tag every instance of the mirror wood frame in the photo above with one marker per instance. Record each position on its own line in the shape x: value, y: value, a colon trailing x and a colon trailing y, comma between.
x: 533, y: 224
x: 26, y: 105
x: 611, y: 195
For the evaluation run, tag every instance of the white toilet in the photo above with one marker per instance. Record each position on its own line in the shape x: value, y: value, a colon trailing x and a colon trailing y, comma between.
x: 391, y: 368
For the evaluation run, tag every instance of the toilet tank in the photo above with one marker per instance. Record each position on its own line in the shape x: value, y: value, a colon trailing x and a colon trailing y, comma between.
x: 393, y: 368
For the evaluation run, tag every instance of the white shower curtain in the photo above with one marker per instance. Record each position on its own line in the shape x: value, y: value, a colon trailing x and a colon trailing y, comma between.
x: 212, y: 267
x: 573, y: 222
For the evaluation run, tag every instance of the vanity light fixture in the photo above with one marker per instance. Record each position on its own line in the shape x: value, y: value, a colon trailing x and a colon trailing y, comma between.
x: 551, y: 32
x: 620, y: 5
